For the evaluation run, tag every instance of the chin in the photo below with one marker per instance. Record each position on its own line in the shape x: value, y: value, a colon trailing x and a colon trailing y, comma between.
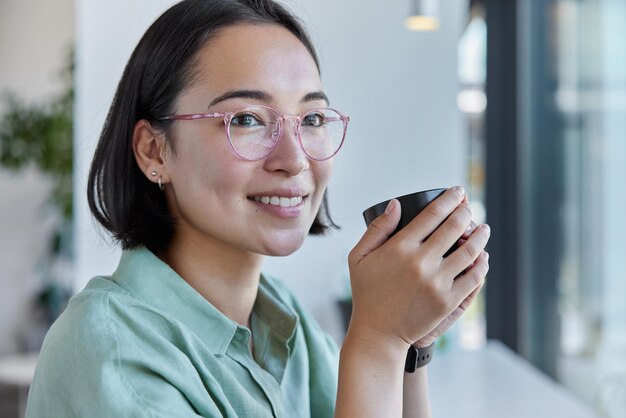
x: 281, y: 246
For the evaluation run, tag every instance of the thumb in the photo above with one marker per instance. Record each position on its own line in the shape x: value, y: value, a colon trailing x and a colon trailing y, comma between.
x: 378, y: 231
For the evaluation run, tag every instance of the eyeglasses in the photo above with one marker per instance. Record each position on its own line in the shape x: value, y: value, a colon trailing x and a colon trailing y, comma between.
x: 254, y: 131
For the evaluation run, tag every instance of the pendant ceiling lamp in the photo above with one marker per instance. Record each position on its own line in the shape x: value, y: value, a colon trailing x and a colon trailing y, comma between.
x: 424, y: 15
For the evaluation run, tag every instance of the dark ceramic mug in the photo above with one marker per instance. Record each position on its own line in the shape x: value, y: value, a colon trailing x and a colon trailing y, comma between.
x: 411, y: 205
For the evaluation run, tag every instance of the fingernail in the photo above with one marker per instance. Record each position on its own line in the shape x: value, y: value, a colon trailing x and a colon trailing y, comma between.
x: 486, y: 255
x: 469, y: 229
x: 390, y: 206
x: 459, y: 190
x: 486, y: 228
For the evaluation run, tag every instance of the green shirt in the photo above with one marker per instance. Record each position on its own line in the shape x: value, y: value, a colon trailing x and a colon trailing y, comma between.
x: 143, y: 343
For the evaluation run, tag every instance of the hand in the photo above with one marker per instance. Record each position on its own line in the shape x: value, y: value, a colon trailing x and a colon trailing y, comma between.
x: 443, y: 326
x: 403, y: 289
x: 448, y: 321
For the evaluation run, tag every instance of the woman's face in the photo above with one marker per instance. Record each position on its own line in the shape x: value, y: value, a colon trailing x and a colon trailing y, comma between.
x: 212, y: 191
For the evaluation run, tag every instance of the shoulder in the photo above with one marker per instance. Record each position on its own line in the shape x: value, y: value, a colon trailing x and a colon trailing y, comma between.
x: 88, y: 349
x: 85, y: 327
x: 92, y: 321
x: 100, y: 325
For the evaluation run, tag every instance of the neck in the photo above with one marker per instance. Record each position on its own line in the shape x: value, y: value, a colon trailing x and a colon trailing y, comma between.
x: 226, y: 276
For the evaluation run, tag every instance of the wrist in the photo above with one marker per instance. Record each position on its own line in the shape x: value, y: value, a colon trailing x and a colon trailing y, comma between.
x: 370, y: 379
x: 376, y: 347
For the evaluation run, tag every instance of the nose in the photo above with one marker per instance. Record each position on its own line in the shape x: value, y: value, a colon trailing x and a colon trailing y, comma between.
x: 288, y: 156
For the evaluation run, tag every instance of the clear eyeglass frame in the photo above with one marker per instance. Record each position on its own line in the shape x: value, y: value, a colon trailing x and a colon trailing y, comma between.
x: 277, y: 125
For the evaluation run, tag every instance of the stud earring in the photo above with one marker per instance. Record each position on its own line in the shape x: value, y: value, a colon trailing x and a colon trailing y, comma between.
x: 154, y: 173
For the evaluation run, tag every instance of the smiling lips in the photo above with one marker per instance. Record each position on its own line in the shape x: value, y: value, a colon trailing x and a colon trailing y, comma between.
x: 284, y: 202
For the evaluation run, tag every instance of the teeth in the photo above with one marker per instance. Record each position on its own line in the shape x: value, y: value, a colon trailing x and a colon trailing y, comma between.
x: 284, y: 202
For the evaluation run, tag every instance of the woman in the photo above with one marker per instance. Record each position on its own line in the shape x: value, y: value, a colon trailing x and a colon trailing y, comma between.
x: 216, y: 152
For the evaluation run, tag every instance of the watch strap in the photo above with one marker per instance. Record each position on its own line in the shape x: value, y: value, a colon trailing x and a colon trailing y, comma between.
x: 418, y: 357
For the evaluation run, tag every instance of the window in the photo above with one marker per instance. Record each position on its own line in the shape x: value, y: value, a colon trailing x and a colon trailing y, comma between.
x: 556, y: 168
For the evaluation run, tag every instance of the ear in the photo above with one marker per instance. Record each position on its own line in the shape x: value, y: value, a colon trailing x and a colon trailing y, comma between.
x: 149, y: 150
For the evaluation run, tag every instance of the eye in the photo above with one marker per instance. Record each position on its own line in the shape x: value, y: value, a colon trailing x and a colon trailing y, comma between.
x: 313, y: 119
x: 246, y: 120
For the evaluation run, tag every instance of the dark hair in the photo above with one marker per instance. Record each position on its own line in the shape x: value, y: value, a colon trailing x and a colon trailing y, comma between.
x: 120, y: 197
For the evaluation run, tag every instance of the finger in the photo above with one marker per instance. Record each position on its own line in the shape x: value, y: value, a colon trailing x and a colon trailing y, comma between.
x: 378, y: 231
x: 460, y: 242
x: 432, y: 216
x: 465, y: 284
x: 457, y: 245
x: 440, y: 243
x: 470, y: 298
x: 470, y: 229
x: 468, y: 252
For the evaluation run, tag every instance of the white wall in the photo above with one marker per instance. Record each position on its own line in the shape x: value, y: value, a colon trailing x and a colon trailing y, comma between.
x: 399, y: 88
x: 34, y: 37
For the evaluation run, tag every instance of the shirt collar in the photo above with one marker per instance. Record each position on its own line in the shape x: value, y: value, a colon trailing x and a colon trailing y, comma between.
x: 149, y: 279
x: 270, y: 307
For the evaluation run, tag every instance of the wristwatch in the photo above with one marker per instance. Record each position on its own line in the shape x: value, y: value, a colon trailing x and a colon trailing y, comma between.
x: 418, y: 357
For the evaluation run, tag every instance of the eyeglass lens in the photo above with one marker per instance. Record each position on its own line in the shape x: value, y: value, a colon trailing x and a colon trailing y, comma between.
x: 254, y: 132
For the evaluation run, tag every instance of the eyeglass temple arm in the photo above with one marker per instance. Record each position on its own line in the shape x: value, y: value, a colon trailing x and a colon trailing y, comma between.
x: 193, y: 116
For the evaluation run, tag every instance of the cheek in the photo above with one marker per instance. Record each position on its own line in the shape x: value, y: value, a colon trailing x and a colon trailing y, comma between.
x: 328, y: 171
x: 205, y: 186
x: 202, y: 164
x: 322, y: 172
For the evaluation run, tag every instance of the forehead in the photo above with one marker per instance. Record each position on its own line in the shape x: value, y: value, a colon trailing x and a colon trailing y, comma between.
x: 257, y: 57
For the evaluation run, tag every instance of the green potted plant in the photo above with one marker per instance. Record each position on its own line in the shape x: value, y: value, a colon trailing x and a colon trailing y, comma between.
x: 41, y: 135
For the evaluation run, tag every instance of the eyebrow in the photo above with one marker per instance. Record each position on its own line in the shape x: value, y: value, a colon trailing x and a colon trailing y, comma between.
x: 266, y: 97
x: 315, y: 95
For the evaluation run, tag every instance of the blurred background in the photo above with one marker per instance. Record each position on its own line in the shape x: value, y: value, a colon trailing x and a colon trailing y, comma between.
x: 523, y: 102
